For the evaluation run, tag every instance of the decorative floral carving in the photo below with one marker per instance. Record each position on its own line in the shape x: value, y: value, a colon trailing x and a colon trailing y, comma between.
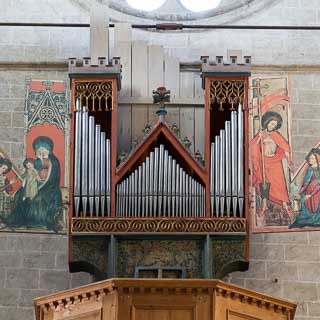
x: 226, y: 92
x: 94, y: 96
x: 154, y: 225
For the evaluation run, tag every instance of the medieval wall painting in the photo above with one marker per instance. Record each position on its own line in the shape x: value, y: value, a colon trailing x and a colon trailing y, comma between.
x: 280, y: 199
x: 36, y: 198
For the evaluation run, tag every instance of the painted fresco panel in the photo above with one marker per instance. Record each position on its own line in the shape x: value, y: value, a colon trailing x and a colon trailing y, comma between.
x: 280, y: 199
x: 35, y: 198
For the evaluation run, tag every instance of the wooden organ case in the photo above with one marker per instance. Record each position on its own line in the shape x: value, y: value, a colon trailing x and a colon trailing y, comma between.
x: 159, y: 211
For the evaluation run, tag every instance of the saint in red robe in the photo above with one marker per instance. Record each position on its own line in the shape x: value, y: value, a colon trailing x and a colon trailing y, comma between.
x: 274, y: 148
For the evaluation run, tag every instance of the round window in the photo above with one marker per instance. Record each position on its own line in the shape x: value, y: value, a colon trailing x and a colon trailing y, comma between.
x: 146, y: 5
x: 200, y: 5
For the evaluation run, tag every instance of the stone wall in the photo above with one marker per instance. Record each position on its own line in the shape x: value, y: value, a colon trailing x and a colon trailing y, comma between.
x: 285, y: 265
x: 32, y: 265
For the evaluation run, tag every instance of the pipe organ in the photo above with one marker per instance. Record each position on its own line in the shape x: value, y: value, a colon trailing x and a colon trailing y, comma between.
x: 160, y: 187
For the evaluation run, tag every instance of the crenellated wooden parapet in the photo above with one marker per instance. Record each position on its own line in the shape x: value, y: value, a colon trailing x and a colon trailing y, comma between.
x: 162, y: 299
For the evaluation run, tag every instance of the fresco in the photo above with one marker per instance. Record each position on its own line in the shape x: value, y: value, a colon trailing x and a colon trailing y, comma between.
x: 36, y: 199
x: 280, y: 199
x: 270, y: 154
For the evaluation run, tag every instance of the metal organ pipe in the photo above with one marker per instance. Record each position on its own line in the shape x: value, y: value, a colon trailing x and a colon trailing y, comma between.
x: 160, y: 187
x: 227, y: 168
x: 217, y: 176
x: 84, y: 162
x: 222, y: 170
x: 97, y: 168
x: 77, y: 159
x: 108, y: 176
x: 212, y: 177
x: 240, y: 160
x: 92, y: 167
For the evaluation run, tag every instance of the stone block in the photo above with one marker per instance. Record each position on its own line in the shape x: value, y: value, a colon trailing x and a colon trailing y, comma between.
x: 257, y: 270
x: 32, y: 53
x: 302, y: 309
x: 316, y: 81
x: 264, y: 286
x: 307, y: 96
x: 9, y: 297
x: 61, y: 261
x: 5, y: 146
x: 295, y: 127
x: 3, y: 242
x: 17, y: 76
x: 302, y: 81
x: 238, y: 282
x: 80, y: 279
x: 304, y: 143
x: 11, y: 53
x: 314, y: 309
x: 18, y: 120
x: 13, y: 313
x: 256, y: 238
x: 43, y: 260
x: 300, y: 291
x: 17, y: 91
x: 294, y: 95
x: 5, y: 119
x: 298, y: 159
x: 309, y: 272
x: 56, y: 280
x: 11, y: 134
x: 5, y: 36
x: 32, y: 36
x: 302, y: 253
x: 2, y: 277
x: 22, y: 278
x: 309, y: 127
x: 10, y: 259
x: 19, y: 242
x: 267, y: 252
x: 302, y: 111
x: 17, y: 150
x: 4, y: 91
x: 314, y: 237
x: 27, y: 296
x: 286, y: 238
x: 54, y: 243
x: 282, y: 270
x: 12, y: 104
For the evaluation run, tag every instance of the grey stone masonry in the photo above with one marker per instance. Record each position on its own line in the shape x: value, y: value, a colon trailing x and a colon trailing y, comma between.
x: 32, y: 265
x: 285, y: 265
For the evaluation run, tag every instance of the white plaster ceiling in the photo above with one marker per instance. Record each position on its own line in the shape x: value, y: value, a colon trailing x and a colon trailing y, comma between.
x: 228, y: 11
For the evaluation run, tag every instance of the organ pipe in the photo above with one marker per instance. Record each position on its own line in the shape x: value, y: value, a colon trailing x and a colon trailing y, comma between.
x: 227, y: 168
x: 92, y: 169
x: 173, y: 193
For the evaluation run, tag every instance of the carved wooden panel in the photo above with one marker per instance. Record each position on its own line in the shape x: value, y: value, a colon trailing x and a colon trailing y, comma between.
x: 144, y: 299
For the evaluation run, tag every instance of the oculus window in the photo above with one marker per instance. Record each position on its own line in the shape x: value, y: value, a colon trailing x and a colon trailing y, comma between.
x: 146, y: 5
x: 200, y: 5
